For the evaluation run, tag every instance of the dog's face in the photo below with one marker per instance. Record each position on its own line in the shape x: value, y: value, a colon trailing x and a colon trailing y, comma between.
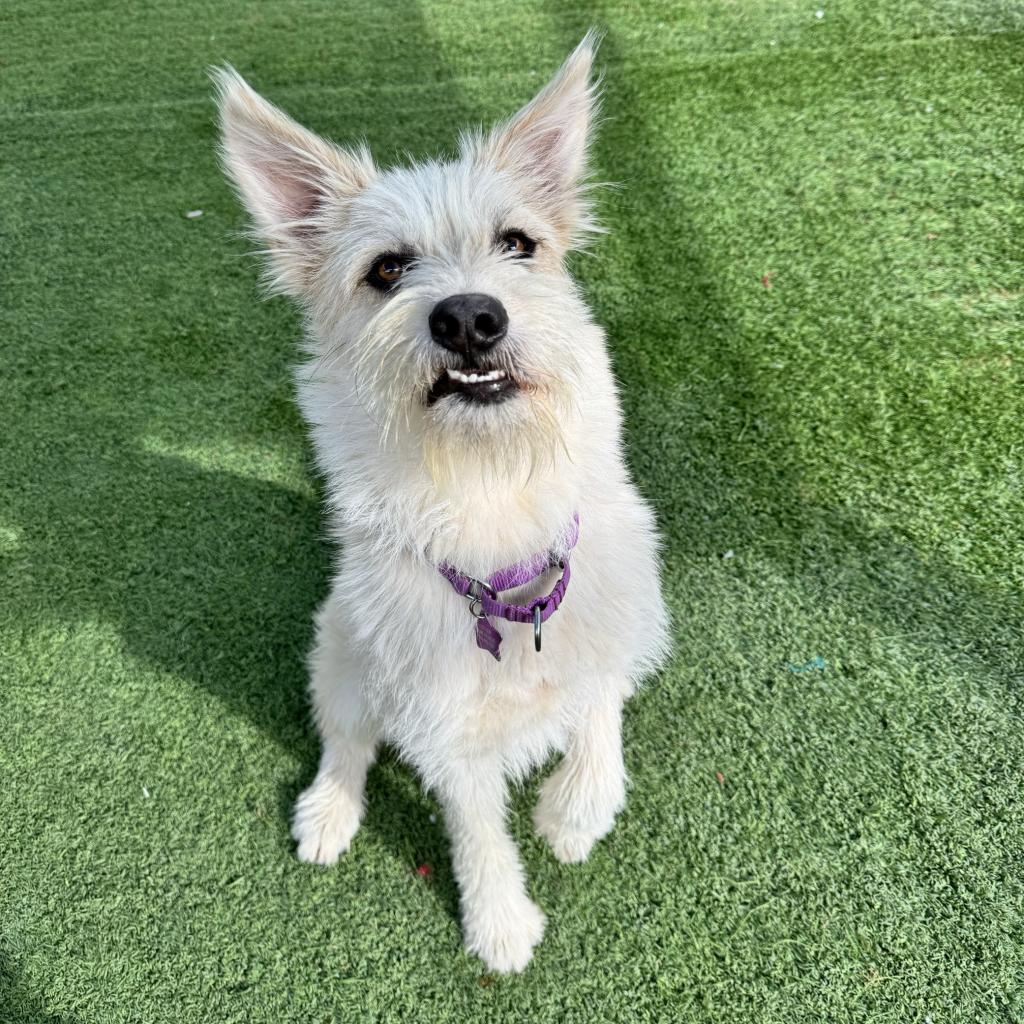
x: 437, y: 291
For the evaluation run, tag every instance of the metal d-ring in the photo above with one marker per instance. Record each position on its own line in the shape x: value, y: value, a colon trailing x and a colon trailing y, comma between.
x: 536, y: 626
x: 476, y: 606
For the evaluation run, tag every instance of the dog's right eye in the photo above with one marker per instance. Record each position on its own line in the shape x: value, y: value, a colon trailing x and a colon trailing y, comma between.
x: 387, y: 271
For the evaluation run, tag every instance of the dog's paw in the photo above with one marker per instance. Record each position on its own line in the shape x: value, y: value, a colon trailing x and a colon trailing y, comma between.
x: 570, y: 845
x: 504, y: 932
x: 571, y: 829
x: 325, y: 820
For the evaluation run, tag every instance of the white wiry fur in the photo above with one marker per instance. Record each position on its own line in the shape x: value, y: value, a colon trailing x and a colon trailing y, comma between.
x: 411, y: 485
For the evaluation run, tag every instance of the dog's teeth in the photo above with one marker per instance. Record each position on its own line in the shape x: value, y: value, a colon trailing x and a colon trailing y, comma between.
x: 477, y: 378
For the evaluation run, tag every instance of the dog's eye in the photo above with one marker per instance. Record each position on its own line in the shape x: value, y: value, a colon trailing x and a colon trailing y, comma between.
x: 387, y: 271
x: 517, y: 245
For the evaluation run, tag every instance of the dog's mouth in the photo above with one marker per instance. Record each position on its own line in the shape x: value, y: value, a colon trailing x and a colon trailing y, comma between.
x: 485, y: 387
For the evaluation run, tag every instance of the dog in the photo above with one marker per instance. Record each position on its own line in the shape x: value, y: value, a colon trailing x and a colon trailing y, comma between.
x: 497, y: 594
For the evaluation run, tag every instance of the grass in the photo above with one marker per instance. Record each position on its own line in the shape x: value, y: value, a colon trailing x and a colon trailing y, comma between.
x: 812, y: 289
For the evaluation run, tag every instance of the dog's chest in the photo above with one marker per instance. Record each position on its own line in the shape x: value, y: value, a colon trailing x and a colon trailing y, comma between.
x: 505, y: 716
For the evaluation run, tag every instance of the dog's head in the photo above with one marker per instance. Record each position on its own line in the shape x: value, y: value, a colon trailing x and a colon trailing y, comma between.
x: 437, y: 291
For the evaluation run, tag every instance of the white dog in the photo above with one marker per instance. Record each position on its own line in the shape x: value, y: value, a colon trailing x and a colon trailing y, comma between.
x: 466, y: 420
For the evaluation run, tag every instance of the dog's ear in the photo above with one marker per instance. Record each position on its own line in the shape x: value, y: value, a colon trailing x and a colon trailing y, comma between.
x: 545, y: 144
x: 290, y: 179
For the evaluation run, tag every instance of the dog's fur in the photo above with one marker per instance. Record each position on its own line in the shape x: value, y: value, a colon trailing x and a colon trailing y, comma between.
x: 411, y: 485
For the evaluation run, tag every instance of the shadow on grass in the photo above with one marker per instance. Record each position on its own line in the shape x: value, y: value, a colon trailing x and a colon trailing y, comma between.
x: 18, y: 1004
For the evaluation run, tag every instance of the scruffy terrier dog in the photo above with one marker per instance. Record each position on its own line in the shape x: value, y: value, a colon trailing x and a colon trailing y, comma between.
x: 466, y: 421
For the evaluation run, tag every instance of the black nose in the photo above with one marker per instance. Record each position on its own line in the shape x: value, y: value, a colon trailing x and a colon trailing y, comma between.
x: 468, y: 324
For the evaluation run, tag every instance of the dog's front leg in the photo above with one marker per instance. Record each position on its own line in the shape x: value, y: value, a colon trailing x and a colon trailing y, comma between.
x: 579, y: 802
x: 500, y: 923
x: 328, y: 813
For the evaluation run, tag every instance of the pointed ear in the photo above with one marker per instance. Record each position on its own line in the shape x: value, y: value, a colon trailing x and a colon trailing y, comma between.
x: 545, y: 144
x: 290, y: 179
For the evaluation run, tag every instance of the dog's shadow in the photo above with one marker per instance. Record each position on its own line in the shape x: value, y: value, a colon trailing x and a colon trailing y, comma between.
x: 226, y: 607
x: 204, y: 574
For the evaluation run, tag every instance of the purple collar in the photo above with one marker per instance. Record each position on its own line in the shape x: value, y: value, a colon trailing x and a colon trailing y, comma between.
x: 483, y: 594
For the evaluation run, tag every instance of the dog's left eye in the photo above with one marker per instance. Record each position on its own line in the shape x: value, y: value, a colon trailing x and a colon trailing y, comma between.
x: 517, y: 245
x: 387, y: 271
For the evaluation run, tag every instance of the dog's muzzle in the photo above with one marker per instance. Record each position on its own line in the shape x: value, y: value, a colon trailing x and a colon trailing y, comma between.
x: 471, y: 326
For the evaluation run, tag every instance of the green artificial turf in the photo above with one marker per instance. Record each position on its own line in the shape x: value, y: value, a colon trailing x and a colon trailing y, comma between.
x: 812, y: 289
